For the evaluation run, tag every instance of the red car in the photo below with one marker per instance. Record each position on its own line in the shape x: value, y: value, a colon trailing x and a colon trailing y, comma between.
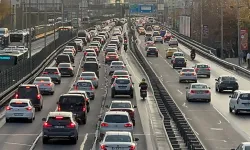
x: 167, y: 36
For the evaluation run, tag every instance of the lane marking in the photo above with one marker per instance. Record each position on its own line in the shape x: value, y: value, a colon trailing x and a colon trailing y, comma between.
x: 216, y: 140
x: 217, y: 129
x: 84, y: 141
x: 184, y: 105
x: 179, y: 91
x: 196, y: 133
x: 219, y: 122
x: 20, y: 144
x: 203, y: 110
x: 221, y: 114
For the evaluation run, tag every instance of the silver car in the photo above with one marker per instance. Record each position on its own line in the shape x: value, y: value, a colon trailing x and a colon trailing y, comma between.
x: 93, y: 54
x: 90, y: 76
x: 202, y: 69
x: 45, y: 85
x: 53, y: 73
x: 199, y: 92
x: 118, y: 140
x: 122, y: 86
x: 86, y: 85
x: 173, y: 42
x: 187, y: 74
x: 91, y: 58
x: 176, y: 54
x: 116, y: 65
x: 120, y: 74
x: 158, y: 39
x: 115, y: 121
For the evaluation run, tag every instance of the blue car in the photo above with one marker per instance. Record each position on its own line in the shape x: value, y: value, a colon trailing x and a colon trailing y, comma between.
x: 162, y: 33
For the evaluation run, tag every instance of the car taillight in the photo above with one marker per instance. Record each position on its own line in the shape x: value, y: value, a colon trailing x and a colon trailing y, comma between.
x: 29, y: 108
x: 192, y: 91
x: 103, y: 147
x: 132, y: 147
x: 92, y: 88
x: 208, y: 68
x: 81, y: 78
x: 193, y: 74
x: 131, y: 85
x: 123, y: 66
x: 173, y: 62
x: 50, y: 84
x: 128, y: 125
x: 104, y: 124
x: 56, y: 72
x: 114, y: 77
x: 173, y: 56
x: 38, y: 96
x: 45, y: 72
x: 196, y: 69
x: 85, y: 53
x: 58, y: 108
x: 86, y: 99
x: 94, y: 78
x: 96, y: 49
x: 207, y: 91
x: 70, y: 68
x: 132, y: 113
x: 71, y: 125
x: 46, y: 125
x: 117, y: 57
x: 107, y: 57
x: 16, y: 95
x: 84, y: 109
x: 8, y: 108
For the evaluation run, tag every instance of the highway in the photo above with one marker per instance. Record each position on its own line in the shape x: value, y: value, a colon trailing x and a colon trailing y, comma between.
x: 212, y: 122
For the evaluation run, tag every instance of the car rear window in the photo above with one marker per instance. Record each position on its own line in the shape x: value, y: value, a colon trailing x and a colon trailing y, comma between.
x: 64, y: 65
x: 245, y: 96
x: 152, y: 49
x: 90, y: 50
x: 113, y: 42
x: 111, y: 53
x: 110, y: 50
x: 199, y: 86
x: 179, y: 59
x: 120, y: 105
x: 116, y: 63
x: 94, y: 44
x: 121, y: 81
x: 71, y: 100
x: 84, y: 84
x: 59, y: 120
x: 120, y: 73
x: 87, y: 74
x: 90, y: 59
x: 116, y: 119
x: 14, y: 104
x: 91, y: 54
x: 228, y: 79
x: 42, y: 79
x: 72, y: 44
x: 118, y: 138
x: 178, y: 54
x: 90, y: 65
x: 187, y: 70
x: 62, y: 58
x: 202, y: 66
x: 27, y: 91
x: 96, y: 39
x: 50, y: 70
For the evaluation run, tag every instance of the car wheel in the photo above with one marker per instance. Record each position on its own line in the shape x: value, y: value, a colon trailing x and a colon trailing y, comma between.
x: 220, y: 90
x: 84, y: 121
x: 133, y: 121
x: 230, y: 109
x: 187, y: 99
x: 157, y: 55
x: 59, y: 82
x: 208, y: 76
x: 131, y: 95
x: 45, y: 140
x: 180, y: 81
x: 173, y: 67
x: 7, y: 120
x: 209, y: 100
x: 30, y: 120
x: 147, y: 55
x: 88, y: 108
x: 195, y: 81
x: 39, y: 108
x: 52, y: 93
x: 96, y: 87
x: 112, y: 95
x: 237, y: 112
x: 74, y: 140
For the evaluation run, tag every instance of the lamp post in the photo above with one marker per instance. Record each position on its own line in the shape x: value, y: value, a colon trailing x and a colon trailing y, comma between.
x: 221, y: 28
x: 201, y: 14
x: 238, y: 30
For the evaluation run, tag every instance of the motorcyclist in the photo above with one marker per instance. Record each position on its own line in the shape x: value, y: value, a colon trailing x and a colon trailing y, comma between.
x: 143, y: 85
x: 192, y: 51
x: 125, y: 47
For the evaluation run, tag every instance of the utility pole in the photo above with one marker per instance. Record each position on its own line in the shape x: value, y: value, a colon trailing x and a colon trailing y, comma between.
x: 54, y: 23
x: 22, y: 5
x: 29, y: 47
x: 238, y: 28
x: 11, y: 15
x: 38, y: 12
x: 221, y: 28
x: 46, y: 23
x: 62, y: 13
x: 201, y: 38
x: 26, y: 16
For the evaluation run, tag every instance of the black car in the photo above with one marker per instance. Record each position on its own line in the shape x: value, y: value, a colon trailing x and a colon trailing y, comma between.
x: 91, y: 66
x: 152, y: 51
x: 62, y: 58
x: 179, y: 62
x: 30, y: 91
x: 66, y: 69
x: 75, y: 46
x: 226, y: 82
x: 74, y: 103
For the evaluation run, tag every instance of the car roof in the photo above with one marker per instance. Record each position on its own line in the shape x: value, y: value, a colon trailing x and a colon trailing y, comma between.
x: 122, y: 79
x: 18, y: 100
x: 152, y: 47
x: 118, y: 133
x: 70, y: 94
x: 116, y: 61
x: 116, y: 101
x: 88, y: 72
x: 201, y: 64
x: 91, y: 52
x: 120, y: 71
x: 43, y: 78
x: 199, y: 84
x: 116, y: 113
x: 90, y: 62
x: 51, y: 68
x: 227, y: 76
x: 65, y: 63
x: 76, y: 91
x: 187, y: 68
x: 84, y: 81
x: 60, y: 113
x: 91, y: 57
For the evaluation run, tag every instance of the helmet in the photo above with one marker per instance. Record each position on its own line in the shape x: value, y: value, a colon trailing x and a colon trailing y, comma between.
x: 143, y: 80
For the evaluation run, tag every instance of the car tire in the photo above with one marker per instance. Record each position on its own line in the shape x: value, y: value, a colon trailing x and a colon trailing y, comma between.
x: 30, y: 120
x: 220, y: 90
x: 74, y: 140
x: 180, y: 81
x: 45, y: 140
x: 88, y: 108
x: 147, y: 55
x: 187, y: 99
x: 96, y: 87
x: 59, y: 81
x: 209, y: 100
x: 208, y: 76
x: 7, y: 120
x: 133, y: 121
x: 230, y: 109
x: 112, y: 94
x: 132, y: 95
x: 84, y: 121
x: 237, y: 112
x: 39, y: 108
x: 195, y: 81
x: 173, y: 67
x: 52, y: 93
x: 157, y: 55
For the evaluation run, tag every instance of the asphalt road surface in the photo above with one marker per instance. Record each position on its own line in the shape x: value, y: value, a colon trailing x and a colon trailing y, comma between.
x: 212, y: 122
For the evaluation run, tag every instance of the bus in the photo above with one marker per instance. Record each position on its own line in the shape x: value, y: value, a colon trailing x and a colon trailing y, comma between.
x: 86, y: 20
x: 19, y: 38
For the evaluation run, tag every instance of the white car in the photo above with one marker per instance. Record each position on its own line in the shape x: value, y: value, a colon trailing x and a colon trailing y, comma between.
x: 187, y: 74
x: 91, y: 58
x: 79, y: 42
x: 116, y: 65
x: 198, y: 92
x: 20, y: 108
x: 45, y: 85
x: 239, y: 101
x: 243, y: 146
x: 176, y: 54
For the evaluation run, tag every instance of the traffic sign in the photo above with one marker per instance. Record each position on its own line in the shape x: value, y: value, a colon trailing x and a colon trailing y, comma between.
x: 142, y: 8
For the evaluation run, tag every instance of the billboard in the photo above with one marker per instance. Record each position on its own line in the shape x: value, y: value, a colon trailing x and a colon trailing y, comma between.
x: 244, y: 39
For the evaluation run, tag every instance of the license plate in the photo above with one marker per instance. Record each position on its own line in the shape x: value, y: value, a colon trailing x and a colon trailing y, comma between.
x: 117, y: 148
x: 60, y: 127
x: 199, y: 92
x: 188, y: 74
x: 122, y: 87
x: 18, y: 114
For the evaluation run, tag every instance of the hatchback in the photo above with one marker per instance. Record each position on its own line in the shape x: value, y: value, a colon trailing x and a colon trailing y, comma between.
x: 122, y: 86
x: 90, y: 76
x: 116, y: 65
x: 45, y: 85
x: 53, y: 73
x: 86, y: 85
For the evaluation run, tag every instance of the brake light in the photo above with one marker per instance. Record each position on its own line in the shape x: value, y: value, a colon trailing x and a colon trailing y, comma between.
x: 208, y: 68
x: 50, y: 84
x: 104, y: 124
x: 27, y: 87
x: 114, y: 77
x: 173, y: 56
x: 131, y: 85
x: 29, y: 108
x: 94, y: 78
x: 70, y: 68
x: 96, y: 49
x: 173, y: 62
x: 71, y: 125
x: 123, y: 66
x: 46, y: 125
x: 128, y: 125
x: 81, y: 78
x: 92, y: 88
x: 84, y: 109
x: 86, y: 99
x: 45, y: 72
x: 56, y: 72
x: 207, y: 91
x: 16, y: 95
x: 59, y: 117
x: 192, y: 91
x: 132, y: 147
x: 107, y: 57
x: 117, y: 57
x: 8, y: 108
x: 85, y: 53
x: 132, y: 113
x: 193, y: 74
x: 38, y: 96
x: 103, y: 147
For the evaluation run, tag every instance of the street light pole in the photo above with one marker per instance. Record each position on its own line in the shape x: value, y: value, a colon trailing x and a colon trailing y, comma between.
x: 46, y: 23
x: 54, y: 23
x: 201, y: 38
x: 221, y: 28
x: 238, y: 29
x: 29, y: 47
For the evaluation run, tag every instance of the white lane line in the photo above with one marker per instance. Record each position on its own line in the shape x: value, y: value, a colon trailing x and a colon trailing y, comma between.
x: 217, y: 129
x: 20, y: 144
x: 84, y: 141
x: 196, y: 132
x: 221, y: 114
x: 216, y: 140
x: 184, y: 105
x: 219, y: 122
x: 179, y: 91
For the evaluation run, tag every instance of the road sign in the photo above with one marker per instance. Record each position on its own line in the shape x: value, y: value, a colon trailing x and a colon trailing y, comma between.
x: 142, y: 8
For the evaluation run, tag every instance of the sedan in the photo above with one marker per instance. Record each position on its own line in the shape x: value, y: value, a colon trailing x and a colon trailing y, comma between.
x: 152, y: 51
x: 176, y: 54
x: 45, y: 85
x: 158, y: 39
x: 226, y: 82
x: 116, y: 65
x: 90, y: 76
x: 202, y: 69
x: 120, y: 74
x: 199, y: 92
x: 117, y: 140
x: 111, y: 56
x: 91, y: 54
x: 66, y: 69
x: 187, y: 74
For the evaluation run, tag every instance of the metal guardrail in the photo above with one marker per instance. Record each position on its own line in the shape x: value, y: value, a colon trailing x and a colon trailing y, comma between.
x: 208, y: 52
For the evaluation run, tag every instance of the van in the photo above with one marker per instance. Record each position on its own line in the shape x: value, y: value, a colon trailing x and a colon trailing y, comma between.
x: 92, y: 67
x: 62, y: 58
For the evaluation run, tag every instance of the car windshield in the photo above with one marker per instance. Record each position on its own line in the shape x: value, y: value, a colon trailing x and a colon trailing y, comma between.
x: 84, y: 84
x: 120, y: 73
x: 178, y: 54
x: 116, y: 119
x: 199, y: 86
x: 120, y: 105
x: 122, y: 81
x: 245, y: 96
x: 228, y: 79
x: 202, y: 66
x: 117, y: 138
x: 59, y: 120
x: 91, y: 54
x: 187, y: 70
x: 117, y: 64
x: 42, y: 79
x: 87, y: 74
x: 71, y: 99
x: 64, y: 65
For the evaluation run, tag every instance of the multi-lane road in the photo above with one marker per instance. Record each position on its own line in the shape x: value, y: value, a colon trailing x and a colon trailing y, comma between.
x: 212, y: 122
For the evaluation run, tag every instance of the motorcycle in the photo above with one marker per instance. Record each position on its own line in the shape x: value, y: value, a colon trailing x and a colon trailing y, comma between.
x: 192, y: 56
x: 143, y: 94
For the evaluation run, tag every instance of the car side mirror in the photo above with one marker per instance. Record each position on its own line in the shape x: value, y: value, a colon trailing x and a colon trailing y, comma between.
x: 187, y: 88
x: 44, y: 119
x: 136, y: 139
x: 230, y: 96
x: 135, y: 107
x: 106, y: 106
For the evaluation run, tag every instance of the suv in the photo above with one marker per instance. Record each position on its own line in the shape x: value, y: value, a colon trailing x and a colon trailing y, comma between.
x: 75, y: 103
x: 179, y: 62
x: 239, y: 101
x: 152, y: 51
x: 62, y: 58
x: 32, y: 92
x: 53, y: 73
x: 92, y: 67
x: 60, y: 125
x: 122, y: 86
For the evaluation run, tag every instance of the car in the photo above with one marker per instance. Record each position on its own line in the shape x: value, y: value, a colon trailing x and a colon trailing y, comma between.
x: 239, y: 101
x: 112, y: 45
x: 79, y: 44
x: 45, y: 85
x: 75, y: 103
x: 243, y: 146
x: 62, y: 58
x: 84, y: 39
x: 167, y: 36
x: 91, y: 66
x: 149, y: 44
x: 116, y: 65
x: 120, y: 74
x: 152, y: 51
x: 118, y: 140
x: 84, y: 93
x: 32, y: 92
x: 69, y: 51
x: 111, y: 56
x: 198, y: 92
x: 66, y: 69
x: 96, y: 48
x: 156, y: 28
x: 86, y: 85
x: 20, y: 109
x: 176, y: 54
x: 122, y: 86
x: 99, y: 39
x: 226, y: 82
x: 90, y: 76
x: 91, y: 54
x: 53, y: 73
x: 91, y: 58
x: 89, y: 50
x: 187, y: 74
x: 117, y: 42
x: 60, y: 125
x: 71, y: 47
x: 202, y: 69
x: 115, y: 121
x: 179, y: 62
x: 72, y: 43
x: 71, y: 55
x: 156, y: 33
x: 103, y: 39
x: 141, y: 31
x: 104, y: 33
x: 110, y: 49
x: 173, y: 42
x: 96, y: 43
x: 123, y: 106
x: 158, y: 39
x: 170, y: 51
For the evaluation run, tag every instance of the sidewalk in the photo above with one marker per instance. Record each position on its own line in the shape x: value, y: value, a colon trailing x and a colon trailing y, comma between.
x: 235, y: 61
